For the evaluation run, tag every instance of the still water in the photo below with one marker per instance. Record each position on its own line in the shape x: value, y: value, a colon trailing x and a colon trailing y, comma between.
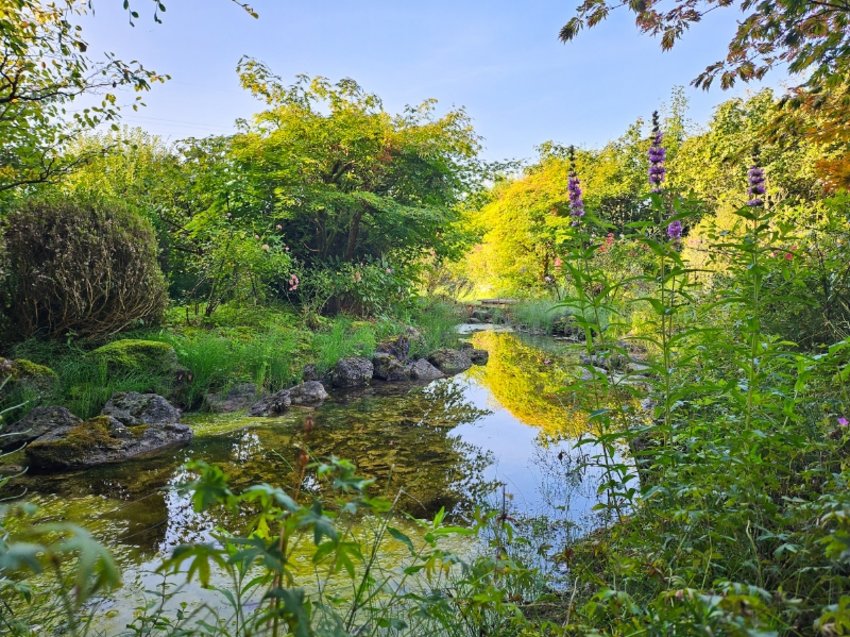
x: 500, y: 435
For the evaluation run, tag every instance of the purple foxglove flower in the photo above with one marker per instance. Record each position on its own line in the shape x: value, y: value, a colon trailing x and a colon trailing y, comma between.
x: 574, y: 188
x: 674, y: 230
x: 755, y: 176
x: 657, y: 156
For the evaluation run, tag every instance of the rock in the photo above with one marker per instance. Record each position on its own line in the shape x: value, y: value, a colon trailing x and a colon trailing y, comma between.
x: 482, y: 315
x: 388, y: 367
x: 450, y: 361
x: 130, y: 355
x: 421, y: 369
x: 354, y: 371
x: 613, y: 362
x: 35, y: 424
x: 26, y: 375
x: 308, y: 393
x: 238, y: 397
x: 310, y: 373
x: 478, y: 356
x: 102, y: 440
x: 400, y: 345
x: 273, y: 405
x: 132, y: 408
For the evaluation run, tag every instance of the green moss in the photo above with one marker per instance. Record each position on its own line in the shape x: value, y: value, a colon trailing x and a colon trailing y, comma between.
x: 22, y: 369
x: 77, y: 442
x: 131, y: 355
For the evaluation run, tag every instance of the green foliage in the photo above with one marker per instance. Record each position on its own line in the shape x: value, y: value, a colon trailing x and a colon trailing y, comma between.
x: 79, y: 269
x: 809, y: 39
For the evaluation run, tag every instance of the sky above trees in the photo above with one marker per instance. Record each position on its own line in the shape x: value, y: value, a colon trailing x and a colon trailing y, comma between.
x: 501, y: 60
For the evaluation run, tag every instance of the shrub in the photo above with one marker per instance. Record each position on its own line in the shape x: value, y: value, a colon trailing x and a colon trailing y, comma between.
x: 78, y: 268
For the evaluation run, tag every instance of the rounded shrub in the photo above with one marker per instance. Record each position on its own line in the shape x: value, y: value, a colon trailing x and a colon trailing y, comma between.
x: 79, y: 268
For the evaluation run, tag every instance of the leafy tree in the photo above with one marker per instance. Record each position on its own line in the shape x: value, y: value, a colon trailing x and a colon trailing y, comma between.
x: 346, y: 181
x: 44, y: 67
x: 810, y: 37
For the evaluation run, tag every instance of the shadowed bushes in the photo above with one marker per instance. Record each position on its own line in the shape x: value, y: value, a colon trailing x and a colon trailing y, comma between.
x: 80, y: 268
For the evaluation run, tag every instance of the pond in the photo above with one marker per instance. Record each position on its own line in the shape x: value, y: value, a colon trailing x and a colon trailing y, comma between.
x: 498, y: 435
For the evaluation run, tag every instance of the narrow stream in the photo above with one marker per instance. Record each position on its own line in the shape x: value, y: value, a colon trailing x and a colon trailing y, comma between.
x: 504, y: 430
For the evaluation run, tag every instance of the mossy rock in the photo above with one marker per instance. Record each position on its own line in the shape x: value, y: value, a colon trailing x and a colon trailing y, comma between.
x: 24, y: 374
x: 131, y: 355
x: 102, y: 440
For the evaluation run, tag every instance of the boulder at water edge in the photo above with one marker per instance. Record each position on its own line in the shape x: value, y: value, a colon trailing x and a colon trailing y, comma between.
x: 399, y: 347
x: 388, y: 367
x: 111, y: 438
x: 450, y: 361
x: 35, y: 424
x: 309, y: 392
x: 421, y: 369
x: 273, y: 405
x: 237, y: 398
x: 476, y: 356
x: 354, y: 371
x: 132, y: 408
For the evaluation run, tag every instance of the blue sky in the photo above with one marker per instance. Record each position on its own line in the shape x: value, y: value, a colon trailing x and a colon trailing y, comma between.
x: 501, y: 60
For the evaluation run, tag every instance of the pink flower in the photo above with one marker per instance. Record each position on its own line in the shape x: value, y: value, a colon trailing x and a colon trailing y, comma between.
x: 558, y: 262
x: 844, y: 422
x: 293, y: 282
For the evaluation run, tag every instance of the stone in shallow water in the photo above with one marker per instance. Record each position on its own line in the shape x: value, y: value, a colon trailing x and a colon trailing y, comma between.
x: 238, y: 397
x: 273, y: 405
x: 450, y: 361
x: 421, y: 369
x: 102, y: 440
x: 308, y: 393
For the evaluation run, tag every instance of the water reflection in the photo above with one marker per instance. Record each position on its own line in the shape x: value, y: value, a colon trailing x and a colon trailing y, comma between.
x: 529, y: 380
x: 455, y: 443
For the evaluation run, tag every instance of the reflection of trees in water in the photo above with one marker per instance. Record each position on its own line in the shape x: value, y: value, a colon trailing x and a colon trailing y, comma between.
x: 529, y: 382
x: 401, y: 438
x: 405, y: 442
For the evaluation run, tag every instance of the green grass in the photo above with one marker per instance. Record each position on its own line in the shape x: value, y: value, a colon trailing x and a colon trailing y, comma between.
x: 539, y: 315
x: 266, y: 346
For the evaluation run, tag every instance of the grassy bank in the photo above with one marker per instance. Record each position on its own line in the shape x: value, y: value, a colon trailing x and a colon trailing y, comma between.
x: 261, y: 345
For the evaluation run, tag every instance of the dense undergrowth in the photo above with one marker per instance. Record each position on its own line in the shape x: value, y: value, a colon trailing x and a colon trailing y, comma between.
x: 263, y: 345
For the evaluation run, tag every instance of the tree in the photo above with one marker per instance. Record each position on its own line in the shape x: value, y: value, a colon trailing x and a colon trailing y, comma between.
x: 809, y: 37
x: 344, y: 180
x: 44, y: 67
